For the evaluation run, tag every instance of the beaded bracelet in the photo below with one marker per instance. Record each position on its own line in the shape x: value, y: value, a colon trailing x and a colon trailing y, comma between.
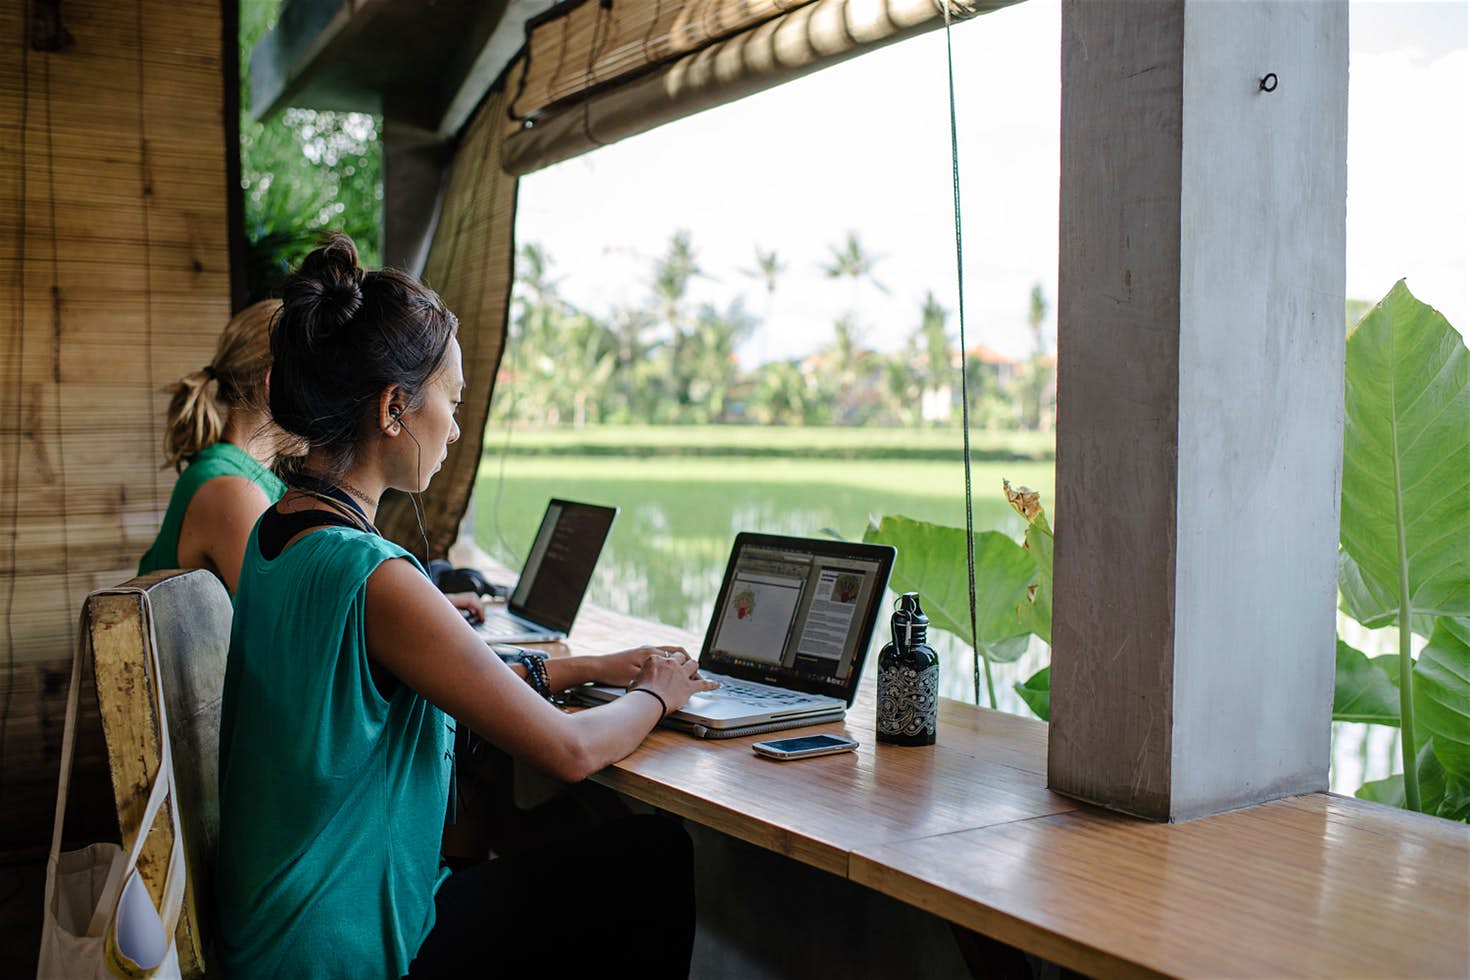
x: 536, y: 675
x: 655, y: 695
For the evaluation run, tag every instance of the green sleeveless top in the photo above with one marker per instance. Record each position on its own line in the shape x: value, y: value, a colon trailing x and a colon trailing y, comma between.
x: 332, y: 800
x: 220, y: 459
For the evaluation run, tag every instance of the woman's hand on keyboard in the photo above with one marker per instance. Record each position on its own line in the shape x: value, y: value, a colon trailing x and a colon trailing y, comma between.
x: 619, y: 669
x: 470, y: 606
x: 673, y: 675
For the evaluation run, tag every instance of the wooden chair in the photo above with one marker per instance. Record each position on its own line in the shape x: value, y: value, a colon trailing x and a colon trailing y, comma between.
x: 189, y: 615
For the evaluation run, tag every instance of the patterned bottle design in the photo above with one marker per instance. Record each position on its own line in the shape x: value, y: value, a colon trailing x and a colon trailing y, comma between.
x: 908, y: 679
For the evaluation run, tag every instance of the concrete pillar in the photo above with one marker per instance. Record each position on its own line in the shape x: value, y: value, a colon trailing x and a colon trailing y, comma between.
x: 1199, y: 430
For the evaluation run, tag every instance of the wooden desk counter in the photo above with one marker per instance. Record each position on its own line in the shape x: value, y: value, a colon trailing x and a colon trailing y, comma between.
x: 1318, y: 885
x: 989, y: 768
x: 1313, y: 885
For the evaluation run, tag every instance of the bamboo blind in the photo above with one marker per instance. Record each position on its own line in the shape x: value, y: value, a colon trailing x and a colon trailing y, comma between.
x: 591, y: 75
x: 115, y: 270
x: 585, y: 45
x: 471, y: 264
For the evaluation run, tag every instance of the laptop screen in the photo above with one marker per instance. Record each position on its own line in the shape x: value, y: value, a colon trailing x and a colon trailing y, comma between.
x: 797, y: 612
x: 559, y: 567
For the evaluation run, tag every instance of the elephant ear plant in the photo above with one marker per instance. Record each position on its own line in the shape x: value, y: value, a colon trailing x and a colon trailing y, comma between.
x: 1404, y: 556
x: 1405, y: 546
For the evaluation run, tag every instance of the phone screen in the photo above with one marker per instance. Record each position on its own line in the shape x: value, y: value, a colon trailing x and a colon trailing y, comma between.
x: 807, y: 742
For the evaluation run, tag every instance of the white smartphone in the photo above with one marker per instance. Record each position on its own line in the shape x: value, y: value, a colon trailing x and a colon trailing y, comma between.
x: 804, y: 746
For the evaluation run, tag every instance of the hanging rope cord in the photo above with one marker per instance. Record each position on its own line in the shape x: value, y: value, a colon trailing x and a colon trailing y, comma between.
x: 959, y: 262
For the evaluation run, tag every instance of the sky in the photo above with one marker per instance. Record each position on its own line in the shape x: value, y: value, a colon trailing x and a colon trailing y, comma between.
x: 865, y: 146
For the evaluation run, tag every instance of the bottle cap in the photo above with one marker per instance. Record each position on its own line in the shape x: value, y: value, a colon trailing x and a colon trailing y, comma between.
x: 910, y: 625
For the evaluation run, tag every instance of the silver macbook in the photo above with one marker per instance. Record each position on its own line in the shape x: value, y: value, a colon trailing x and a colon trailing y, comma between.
x: 544, y: 603
x: 788, y: 637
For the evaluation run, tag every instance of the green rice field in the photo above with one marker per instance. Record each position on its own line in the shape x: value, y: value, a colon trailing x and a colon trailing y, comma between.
x: 679, y: 511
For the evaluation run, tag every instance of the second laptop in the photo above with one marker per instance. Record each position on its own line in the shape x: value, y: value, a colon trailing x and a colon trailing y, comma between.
x: 544, y: 603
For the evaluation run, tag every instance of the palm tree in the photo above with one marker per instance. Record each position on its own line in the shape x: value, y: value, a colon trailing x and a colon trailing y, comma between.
x: 931, y: 339
x: 1033, y: 380
x: 855, y: 264
x: 711, y: 360
x: 1034, y: 317
x: 671, y: 276
x: 768, y: 269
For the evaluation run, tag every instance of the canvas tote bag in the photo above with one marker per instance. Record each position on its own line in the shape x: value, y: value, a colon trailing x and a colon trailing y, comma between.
x: 100, y: 921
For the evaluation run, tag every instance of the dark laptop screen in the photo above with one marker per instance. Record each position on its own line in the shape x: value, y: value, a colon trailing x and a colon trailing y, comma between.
x: 559, y: 567
x: 797, y: 612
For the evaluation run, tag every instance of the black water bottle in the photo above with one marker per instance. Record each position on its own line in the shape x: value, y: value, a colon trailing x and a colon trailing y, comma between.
x: 908, y: 679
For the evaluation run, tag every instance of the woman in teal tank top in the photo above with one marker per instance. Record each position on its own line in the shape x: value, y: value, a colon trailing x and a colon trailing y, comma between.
x: 347, y: 668
x: 218, y: 425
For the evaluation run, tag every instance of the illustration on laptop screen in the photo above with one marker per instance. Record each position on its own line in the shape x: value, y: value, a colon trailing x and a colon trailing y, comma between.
x: 786, y: 643
x: 794, y: 609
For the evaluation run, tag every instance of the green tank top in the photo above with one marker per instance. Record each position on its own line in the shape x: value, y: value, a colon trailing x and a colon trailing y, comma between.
x: 220, y: 459
x: 332, y: 799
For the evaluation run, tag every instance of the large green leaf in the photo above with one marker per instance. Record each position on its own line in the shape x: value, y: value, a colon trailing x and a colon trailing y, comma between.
x: 1036, y: 692
x: 1442, y: 793
x: 1442, y: 694
x: 1006, y: 650
x: 1035, y: 614
x: 1370, y: 605
x: 1406, y: 456
x: 931, y: 562
x: 1365, y: 690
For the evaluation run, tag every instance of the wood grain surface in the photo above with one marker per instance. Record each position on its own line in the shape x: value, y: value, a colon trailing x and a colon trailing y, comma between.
x: 1311, y: 885
x: 1316, y: 885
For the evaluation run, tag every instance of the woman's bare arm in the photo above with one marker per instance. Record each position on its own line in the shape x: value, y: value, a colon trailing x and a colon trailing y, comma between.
x: 415, y: 633
x: 217, y: 524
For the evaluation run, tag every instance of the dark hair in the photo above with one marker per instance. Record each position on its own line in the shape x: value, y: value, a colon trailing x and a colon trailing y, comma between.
x: 344, y: 334
x: 201, y: 402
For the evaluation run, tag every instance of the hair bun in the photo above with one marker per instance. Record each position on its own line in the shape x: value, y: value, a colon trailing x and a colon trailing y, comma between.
x: 326, y: 292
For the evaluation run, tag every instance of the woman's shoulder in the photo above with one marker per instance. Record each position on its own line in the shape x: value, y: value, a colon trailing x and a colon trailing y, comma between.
x: 354, y: 552
x: 227, y: 459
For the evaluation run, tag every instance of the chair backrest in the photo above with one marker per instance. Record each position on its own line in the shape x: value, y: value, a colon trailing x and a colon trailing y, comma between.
x: 189, y: 614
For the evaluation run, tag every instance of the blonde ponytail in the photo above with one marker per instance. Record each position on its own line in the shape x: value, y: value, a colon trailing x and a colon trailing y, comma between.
x: 196, y: 419
x: 200, y: 407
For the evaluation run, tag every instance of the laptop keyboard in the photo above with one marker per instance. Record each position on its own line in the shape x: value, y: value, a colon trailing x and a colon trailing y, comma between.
x: 751, y: 693
x: 499, y: 626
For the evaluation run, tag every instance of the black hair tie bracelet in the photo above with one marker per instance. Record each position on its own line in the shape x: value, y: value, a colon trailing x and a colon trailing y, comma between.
x: 655, y: 695
x: 536, y: 675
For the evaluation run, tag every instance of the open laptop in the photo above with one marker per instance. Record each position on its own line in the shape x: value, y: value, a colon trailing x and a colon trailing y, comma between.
x: 789, y: 634
x: 554, y: 578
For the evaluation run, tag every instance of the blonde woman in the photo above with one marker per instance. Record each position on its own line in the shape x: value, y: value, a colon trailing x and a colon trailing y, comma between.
x: 220, y: 438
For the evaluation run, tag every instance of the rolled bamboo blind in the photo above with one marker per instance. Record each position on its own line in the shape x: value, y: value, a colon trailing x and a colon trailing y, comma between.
x: 115, y: 270
x: 579, y: 46
x: 592, y: 74
x: 471, y: 265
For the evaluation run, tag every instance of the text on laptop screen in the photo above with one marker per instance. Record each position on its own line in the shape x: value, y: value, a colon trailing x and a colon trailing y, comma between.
x: 794, y: 612
x: 561, y: 562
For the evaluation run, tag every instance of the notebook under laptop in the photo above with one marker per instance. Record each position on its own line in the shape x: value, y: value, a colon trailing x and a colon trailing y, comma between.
x: 554, y: 578
x: 788, y: 637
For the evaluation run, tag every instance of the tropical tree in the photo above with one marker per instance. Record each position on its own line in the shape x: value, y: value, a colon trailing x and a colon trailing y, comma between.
x: 853, y: 262
x: 711, y: 363
x: 672, y: 274
x: 931, y: 346
x: 904, y: 384
x: 845, y: 365
x: 768, y: 270
x: 784, y: 396
x: 1032, y: 379
x: 303, y: 172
